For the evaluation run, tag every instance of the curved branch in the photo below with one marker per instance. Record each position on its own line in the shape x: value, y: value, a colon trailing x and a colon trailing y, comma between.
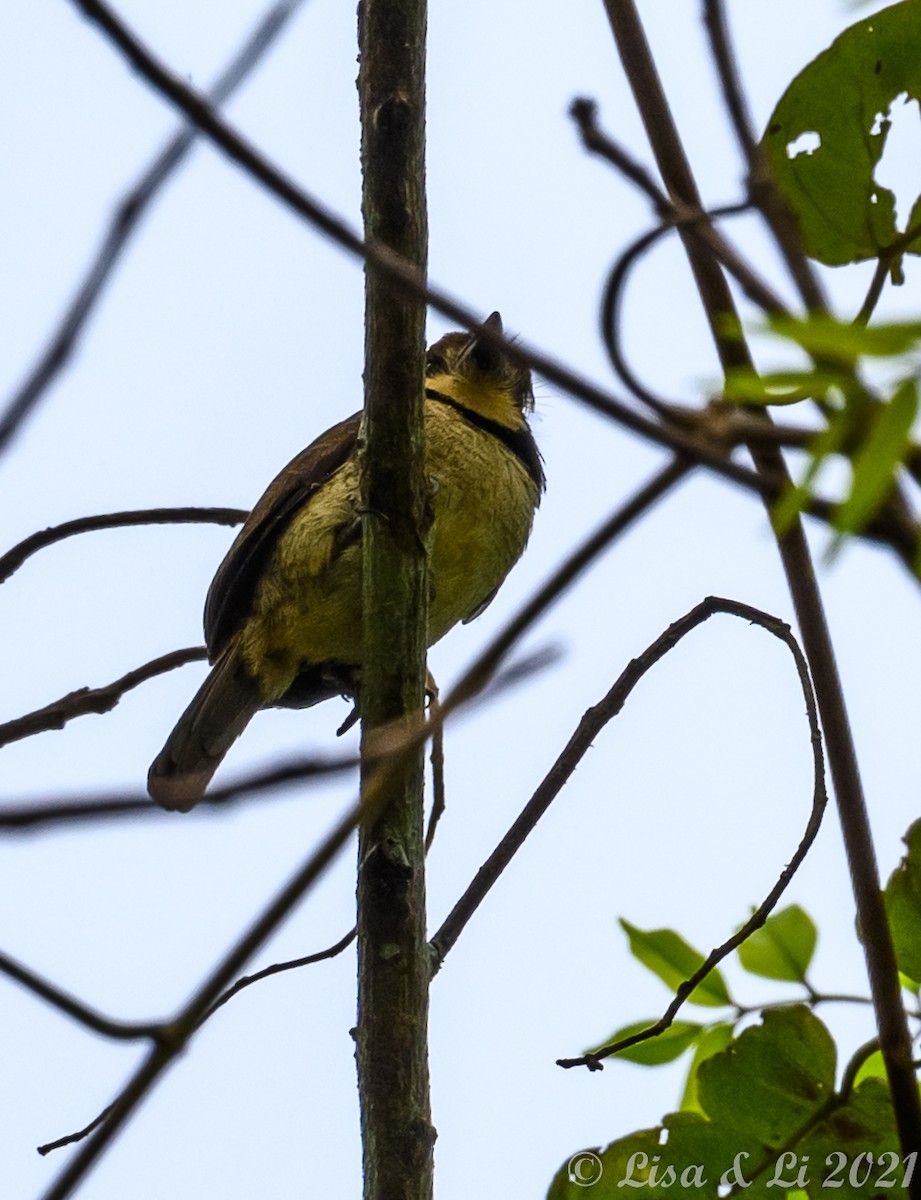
x: 127, y: 216
x: 589, y: 728
x: 14, y: 558
x: 611, y: 305
x: 94, y: 700
x: 72, y: 1007
x: 819, y: 801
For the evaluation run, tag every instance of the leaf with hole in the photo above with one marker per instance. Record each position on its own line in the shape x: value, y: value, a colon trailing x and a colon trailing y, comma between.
x: 827, y: 134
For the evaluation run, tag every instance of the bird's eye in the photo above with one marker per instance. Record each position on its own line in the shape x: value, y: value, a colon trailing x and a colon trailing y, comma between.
x: 436, y: 365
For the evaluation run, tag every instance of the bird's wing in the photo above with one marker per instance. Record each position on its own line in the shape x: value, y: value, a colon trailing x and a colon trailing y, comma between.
x: 231, y: 593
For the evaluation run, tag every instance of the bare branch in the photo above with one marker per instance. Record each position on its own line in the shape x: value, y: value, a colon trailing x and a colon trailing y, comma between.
x: 588, y: 729
x: 70, y: 1138
x: 155, y: 1031
x: 14, y: 558
x: 584, y: 112
x: 72, y: 1007
x: 728, y: 75
x: 57, y: 810
x: 94, y: 700
x: 677, y: 213
x: 611, y: 306
x: 437, y: 759
x: 292, y: 965
x: 127, y: 216
x: 819, y: 800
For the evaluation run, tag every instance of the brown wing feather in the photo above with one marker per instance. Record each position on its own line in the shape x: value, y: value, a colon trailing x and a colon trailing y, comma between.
x: 230, y: 596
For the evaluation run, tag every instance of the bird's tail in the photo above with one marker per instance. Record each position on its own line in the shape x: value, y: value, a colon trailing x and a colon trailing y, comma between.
x: 220, y: 711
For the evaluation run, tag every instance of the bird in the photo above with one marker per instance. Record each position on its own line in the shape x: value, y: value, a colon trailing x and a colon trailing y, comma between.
x: 283, y: 623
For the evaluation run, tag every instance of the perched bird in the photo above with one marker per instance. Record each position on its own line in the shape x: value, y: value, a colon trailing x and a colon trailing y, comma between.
x: 283, y: 614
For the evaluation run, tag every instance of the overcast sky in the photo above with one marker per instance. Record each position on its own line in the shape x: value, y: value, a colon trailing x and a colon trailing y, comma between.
x: 229, y: 338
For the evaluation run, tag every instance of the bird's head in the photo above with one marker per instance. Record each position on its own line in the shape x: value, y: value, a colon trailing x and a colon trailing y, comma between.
x: 477, y: 374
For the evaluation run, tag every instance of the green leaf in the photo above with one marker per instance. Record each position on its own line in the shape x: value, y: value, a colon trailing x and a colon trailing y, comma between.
x: 783, y: 947
x: 878, y: 457
x: 780, y: 388
x: 840, y: 428
x: 826, y: 136
x: 873, y: 1068
x: 763, y: 1095
x: 595, y: 1172
x: 768, y: 1081
x: 903, y: 906
x: 825, y: 337
x: 714, y: 1039
x: 669, y: 956
x: 689, y: 1163
x: 663, y: 1048
x: 863, y: 1133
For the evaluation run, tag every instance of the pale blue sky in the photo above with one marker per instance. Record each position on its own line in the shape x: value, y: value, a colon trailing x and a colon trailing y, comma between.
x: 230, y: 337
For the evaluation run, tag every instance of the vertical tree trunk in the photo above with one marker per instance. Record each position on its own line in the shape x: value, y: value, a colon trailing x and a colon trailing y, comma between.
x: 394, y: 971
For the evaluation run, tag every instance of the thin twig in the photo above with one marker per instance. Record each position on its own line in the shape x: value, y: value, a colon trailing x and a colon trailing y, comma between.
x: 875, y: 290
x: 72, y: 1007
x: 94, y: 700
x: 674, y: 213
x: 437, y: 759
x: 611, y: 308
x: 584, y: 112
x: 587, y: 731
x: 728, y: 75
x: 70, y: 1138
x: 57, y: 810
x: 244, y: 982
x: 127, y: 216
x: 14, y: 558
x: 292, y: 965
x: 884, y: 264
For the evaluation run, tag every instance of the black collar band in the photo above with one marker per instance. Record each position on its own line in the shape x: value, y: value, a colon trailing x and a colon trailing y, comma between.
x: 519, y: 441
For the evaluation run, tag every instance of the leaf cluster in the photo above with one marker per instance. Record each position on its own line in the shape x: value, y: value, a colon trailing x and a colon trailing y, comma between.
x: 760, y: 1102
x: 822, y: 147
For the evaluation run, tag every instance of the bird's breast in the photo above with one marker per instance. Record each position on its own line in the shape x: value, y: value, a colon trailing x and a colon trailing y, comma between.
x: 307, y: 608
